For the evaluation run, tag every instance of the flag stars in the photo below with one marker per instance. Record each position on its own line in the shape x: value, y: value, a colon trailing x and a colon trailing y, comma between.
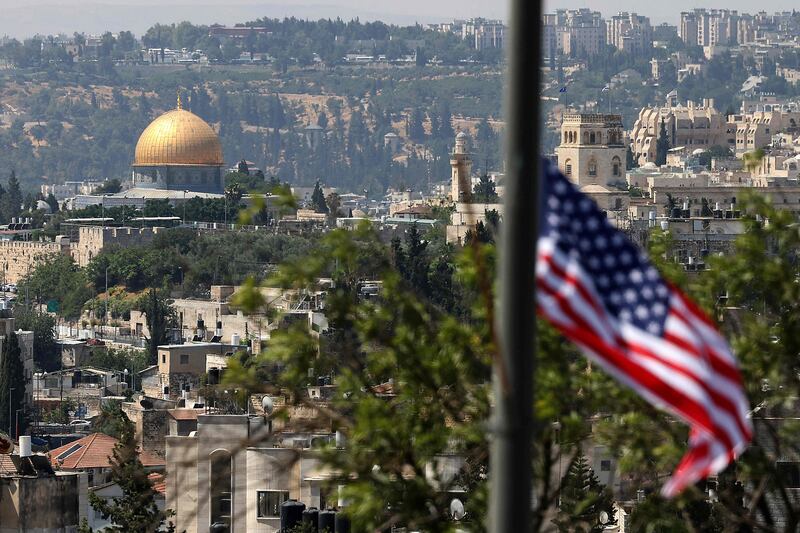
x: 630, y: 296
x: 553, y: 202
x: 642, y: 313
x: 610, y: 261
x: 600, y: 242
x: 592, y: 223
x: 654, y: 328
x: 637, y: 276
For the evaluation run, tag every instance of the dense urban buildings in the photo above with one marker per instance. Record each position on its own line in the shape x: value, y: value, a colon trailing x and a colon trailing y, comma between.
x: 275, y: 292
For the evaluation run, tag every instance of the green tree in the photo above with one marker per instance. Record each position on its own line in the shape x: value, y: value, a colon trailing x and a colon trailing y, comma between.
x: 136, y: 509
x: 47, y: 354
x: 12, y: 383
x: 160, y: 317
x: 318, y: 202
x: 11, y: 203
x: 662, y: 145
x: 583, y: 500
x: 484, y: 191
x: 416, y: 130
x: 112, y: 420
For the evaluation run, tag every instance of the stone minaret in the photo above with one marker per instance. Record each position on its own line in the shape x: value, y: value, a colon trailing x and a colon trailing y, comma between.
x: 461, y: 164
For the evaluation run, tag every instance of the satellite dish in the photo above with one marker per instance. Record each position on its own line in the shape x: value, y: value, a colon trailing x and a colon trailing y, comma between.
x: 457, y: 509
x: 6, y: 444
x: 268, y: 405
x: 603, y: 517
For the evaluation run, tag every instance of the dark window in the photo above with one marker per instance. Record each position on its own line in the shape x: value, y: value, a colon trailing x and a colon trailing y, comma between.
x: 220, y: 485
x: 268, y: 502
x: 605, y: 465
x: 789, y: 473
x: 184, y: 358
x: 163, y: 358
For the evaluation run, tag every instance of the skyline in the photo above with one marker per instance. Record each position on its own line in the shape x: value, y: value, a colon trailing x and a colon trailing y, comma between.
x: 96, y: 16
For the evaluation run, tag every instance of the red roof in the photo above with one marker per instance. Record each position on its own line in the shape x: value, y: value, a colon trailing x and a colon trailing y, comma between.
x: 159, y: 482
x: 7, y: 467
x: 93, y: 451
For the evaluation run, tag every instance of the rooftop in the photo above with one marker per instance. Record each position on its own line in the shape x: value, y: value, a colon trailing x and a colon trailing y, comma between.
x: 93, y: 451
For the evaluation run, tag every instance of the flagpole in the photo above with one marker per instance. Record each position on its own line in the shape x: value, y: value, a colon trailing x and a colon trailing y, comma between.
x: 511, y: 457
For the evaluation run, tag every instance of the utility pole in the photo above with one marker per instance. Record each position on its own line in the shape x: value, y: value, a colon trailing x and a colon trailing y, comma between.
x: 510, y: 465
x: 10, y: 417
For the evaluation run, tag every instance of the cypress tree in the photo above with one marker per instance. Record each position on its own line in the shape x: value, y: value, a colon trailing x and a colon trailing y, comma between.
x: 583, y: 499
x: 11, y: 376
x: 662, y: 145
x: 136, y: 509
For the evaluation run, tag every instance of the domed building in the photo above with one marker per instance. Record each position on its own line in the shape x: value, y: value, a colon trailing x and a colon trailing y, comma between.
x: 179, y: 151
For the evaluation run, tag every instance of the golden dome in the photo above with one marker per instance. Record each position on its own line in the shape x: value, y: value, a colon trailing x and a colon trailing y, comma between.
x: 178, y: 137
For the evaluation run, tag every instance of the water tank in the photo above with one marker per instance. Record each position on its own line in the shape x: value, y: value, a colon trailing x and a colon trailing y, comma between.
x: 311, y: 519
x: 342, y: 523
x: 327, y: 521
x: 235, y: 339
x: 291, y: 514
x: 25, y: 446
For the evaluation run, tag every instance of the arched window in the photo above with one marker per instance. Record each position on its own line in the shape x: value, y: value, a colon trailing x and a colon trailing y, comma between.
x: 585, y: 137
x: 592, y: 138
x: 566, y: 137
x: 220, y: 486
x: 592, y: 167
x: 616, y: 167
x: 618, y: 203
x: 568, y: 167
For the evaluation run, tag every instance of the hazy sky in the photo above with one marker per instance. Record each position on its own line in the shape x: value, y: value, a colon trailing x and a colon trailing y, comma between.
x: 21, y: 18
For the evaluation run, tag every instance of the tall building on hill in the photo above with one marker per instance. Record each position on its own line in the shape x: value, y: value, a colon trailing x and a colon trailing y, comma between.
x: 179, y: 151
x: 630, y: 33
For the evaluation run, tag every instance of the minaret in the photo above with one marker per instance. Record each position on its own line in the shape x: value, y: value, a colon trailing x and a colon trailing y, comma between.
x: 461, y: 183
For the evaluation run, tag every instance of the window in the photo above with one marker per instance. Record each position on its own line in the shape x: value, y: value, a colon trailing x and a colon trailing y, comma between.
x: 615, y: 167
x: 164, y: 358
x: 592, y: 167
x: 605, y: 465
x: 268, y: 502
x: 568, y: 168
x: 220, y: 485
x: 184, y: 358
x: 789, y: 473
x: 591, y: 138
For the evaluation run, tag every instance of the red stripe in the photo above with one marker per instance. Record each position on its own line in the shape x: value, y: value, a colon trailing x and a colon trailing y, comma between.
x: 720, y: 401
x: 718, y: 363
x: 582, y: 333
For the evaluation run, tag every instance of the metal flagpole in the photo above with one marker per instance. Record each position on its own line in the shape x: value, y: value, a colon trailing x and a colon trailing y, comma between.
x: 512, y: 425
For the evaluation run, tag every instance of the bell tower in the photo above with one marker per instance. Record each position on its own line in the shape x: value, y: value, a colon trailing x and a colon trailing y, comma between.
x: 461, y: 163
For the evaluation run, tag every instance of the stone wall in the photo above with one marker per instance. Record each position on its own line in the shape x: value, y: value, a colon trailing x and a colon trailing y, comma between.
x: 40, y: 504
x: 18, y: 258
x: 94, y: 239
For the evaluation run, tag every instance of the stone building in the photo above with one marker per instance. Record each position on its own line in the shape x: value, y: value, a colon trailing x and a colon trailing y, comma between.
x: 592, y: 149
x: 630, y: 33
x: 179, y: 151
x: 35, y: 499
x: 233, y: 471
x: 756, y: 130
x: 690, y: 126
x: 180, y: 367
x: 461, y: 165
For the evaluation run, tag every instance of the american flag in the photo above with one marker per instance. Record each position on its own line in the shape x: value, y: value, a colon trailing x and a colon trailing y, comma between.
x: 602, y: 293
